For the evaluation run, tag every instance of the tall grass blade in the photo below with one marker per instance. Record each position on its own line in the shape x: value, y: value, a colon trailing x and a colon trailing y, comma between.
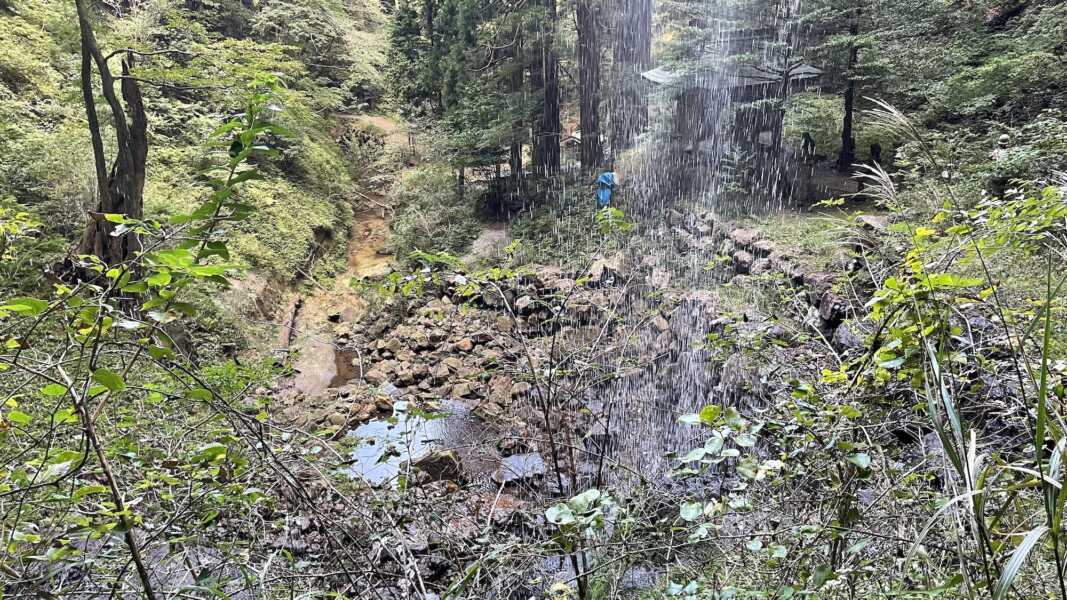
x: 1016, y: 562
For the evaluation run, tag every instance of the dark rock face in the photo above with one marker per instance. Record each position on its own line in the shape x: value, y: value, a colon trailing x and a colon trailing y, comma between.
x: 441, y: 465
x: 742, y: 261
x: 845, y: 339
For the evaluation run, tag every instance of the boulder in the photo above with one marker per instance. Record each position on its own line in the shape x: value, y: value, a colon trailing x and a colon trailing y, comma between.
x: 742, y: 261
x: 376, y: 376
x: 518, y: 468
x: 764, y: 248
x: 875, y: 223
x: 441, y: 465
x: 606, y: 270
x: 845, y: 339
x: 525, y: 305
x: 818, y: 283
x: 659, y: 279
x: 745, y: 237
x: 832, y: 309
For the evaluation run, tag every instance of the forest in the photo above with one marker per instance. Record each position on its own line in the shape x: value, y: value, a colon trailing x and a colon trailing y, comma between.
x: 533, y: 299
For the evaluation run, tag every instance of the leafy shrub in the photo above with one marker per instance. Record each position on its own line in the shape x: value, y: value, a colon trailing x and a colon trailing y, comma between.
x: 432, y: 216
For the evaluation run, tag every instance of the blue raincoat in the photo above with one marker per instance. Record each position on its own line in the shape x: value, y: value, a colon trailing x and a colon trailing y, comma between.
x: 605, y: 184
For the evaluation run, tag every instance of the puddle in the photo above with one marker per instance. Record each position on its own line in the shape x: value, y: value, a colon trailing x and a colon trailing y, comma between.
x: 386, y: 446
x: 321, y: 365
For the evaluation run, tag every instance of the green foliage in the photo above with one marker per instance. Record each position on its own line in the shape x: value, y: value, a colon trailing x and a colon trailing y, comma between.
x: 821, y: 115
x: 432, y: 216
x: 106, y: 366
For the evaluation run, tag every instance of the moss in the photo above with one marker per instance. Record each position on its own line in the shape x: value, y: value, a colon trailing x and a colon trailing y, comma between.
x: 281, y: 233
x: 816, y: 236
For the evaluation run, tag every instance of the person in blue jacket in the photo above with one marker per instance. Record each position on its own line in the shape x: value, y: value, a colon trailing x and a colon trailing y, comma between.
x: 605, y: 185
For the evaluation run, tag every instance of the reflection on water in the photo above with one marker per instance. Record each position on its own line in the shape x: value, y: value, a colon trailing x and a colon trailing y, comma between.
x: 385, y: 446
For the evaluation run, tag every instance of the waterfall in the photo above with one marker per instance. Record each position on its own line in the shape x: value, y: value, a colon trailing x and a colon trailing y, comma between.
x: 713, y: 148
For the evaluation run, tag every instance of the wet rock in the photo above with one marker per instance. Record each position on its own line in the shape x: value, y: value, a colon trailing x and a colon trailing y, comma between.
x: 832, y: 309
x: 764, y: 248
x: 525, y: 305
x: 659, y: 279
x: 742, y: 261
x: 518, y: 468
x: 875, y: 223
x: 441, y: 465
x: 551, y: 280
x: 761, y: 266
x: 846, y: 339
x: 745, y: 237
x: 818, y: 283
x: 606, y: 270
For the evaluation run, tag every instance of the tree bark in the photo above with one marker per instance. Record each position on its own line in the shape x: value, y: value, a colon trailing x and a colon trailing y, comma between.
x: 587, y: 15
x: 121, y: 191
x: 847, y: 156
x: 632, y: 55
x: 517, y: 134
x: 544, y: 75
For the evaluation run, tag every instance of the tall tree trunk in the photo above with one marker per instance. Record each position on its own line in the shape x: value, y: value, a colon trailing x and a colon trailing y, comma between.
x: 121, y: 191
x: 848, y: 139
x: 631, y: 56
x: 544, y: 76
x: 515, y: 150
x: 587, y: 16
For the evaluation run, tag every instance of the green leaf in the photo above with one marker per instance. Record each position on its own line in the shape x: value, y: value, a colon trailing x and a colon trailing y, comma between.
x: 560, y: 515
x: 861, y: 460
x: 198, y: 394
x: 54, y: 390
x: 691, y: 511
x: 24, y: 306
x: 1016, y: 562
x: 87, y: 490
x: 109, y: 379
x: 710, y: 414
x: 159, y: 279
x: 17, y: 416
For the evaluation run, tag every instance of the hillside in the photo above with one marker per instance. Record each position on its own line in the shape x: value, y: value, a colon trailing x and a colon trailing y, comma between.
x: 698, y: 299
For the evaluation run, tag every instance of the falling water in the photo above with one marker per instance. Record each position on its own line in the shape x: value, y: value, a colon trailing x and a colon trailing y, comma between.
x: 711, y: 150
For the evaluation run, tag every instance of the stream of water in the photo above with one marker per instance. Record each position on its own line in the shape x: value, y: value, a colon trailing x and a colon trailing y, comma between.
x: 714, y: 146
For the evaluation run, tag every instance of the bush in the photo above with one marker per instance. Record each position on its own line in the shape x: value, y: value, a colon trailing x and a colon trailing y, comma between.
x: 432, y: 217
x: 821, y: 115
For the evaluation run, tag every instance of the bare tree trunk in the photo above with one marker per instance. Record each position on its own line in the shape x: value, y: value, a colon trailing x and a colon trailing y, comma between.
x: 631, y: 56
x: 587, y: 15
x: 121, y: 191
x: 515, y: 150
x: 848, y: 139
x: 544, y: 75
